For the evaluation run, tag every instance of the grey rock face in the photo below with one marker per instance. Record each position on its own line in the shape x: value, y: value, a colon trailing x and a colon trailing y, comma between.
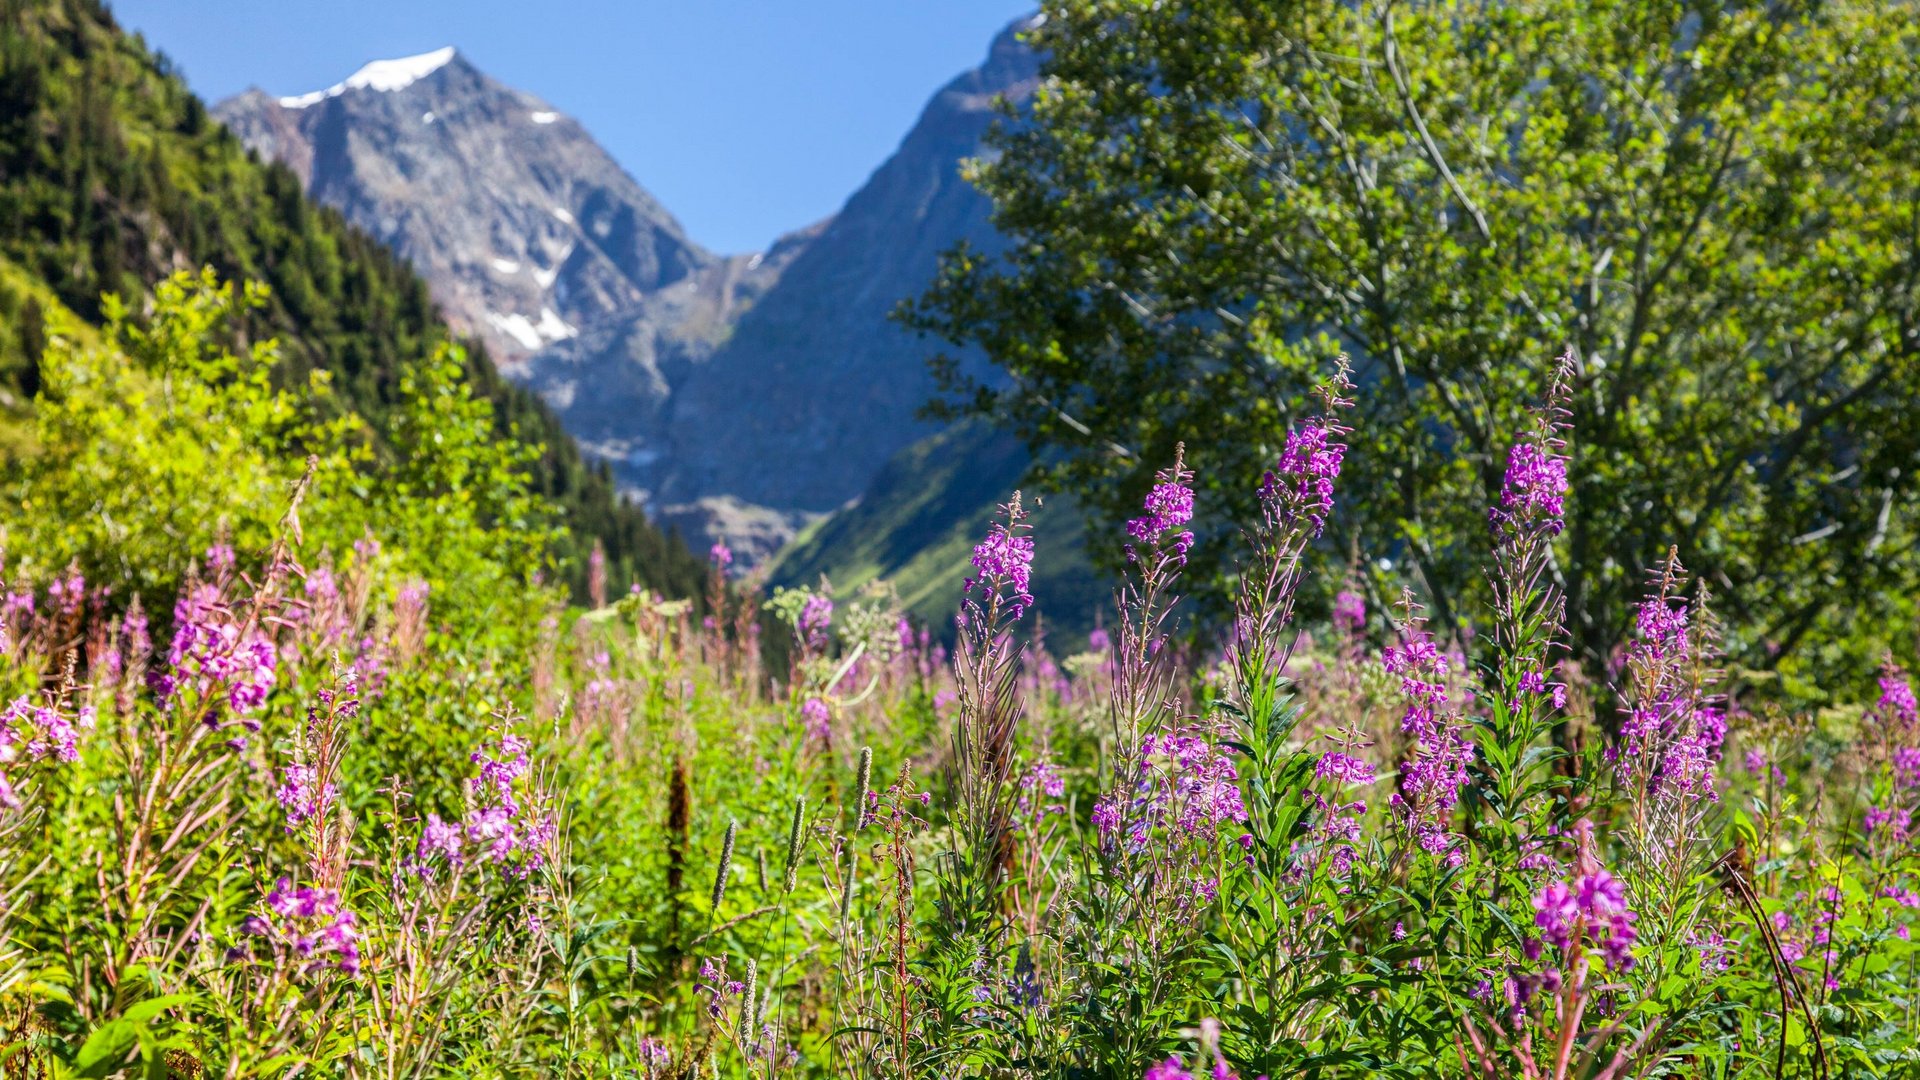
x: 525, y: 229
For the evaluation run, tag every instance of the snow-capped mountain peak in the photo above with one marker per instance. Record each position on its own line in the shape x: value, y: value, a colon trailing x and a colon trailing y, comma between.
x: 383, y: 75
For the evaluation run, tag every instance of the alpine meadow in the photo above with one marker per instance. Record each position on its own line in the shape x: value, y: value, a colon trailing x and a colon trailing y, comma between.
x: 1280, y: 539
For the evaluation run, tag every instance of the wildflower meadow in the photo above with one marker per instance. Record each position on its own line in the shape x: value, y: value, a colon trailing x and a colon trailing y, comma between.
x: 316, y: 814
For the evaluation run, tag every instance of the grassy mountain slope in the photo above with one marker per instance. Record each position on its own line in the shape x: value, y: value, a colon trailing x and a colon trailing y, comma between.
x: 112, y: 175
x: 918, y: 521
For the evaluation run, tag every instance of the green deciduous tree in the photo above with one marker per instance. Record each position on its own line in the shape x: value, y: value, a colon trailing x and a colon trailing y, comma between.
x: 168, y: 436
x: 161, y: 439
x: 1711, y: 207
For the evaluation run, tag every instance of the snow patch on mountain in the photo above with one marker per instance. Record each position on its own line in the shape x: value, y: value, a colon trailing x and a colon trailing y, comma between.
x: 529, y: 333
x: 382, y: 75
x: 552, y: 327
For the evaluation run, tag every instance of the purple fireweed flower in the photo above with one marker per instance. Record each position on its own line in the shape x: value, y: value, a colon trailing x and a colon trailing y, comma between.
x: 320, y: 586
x: 1661, y: 629
x: 1535, y: 487
x: 59, y: 737
x: 514, y: 841
x: 210, y: 655
x: 1004, y: 560
x: 816, y: 616
x: 497, y: 775
x: 1670, y: 737
x: 654, y: 1052
x: 220, y: 561
x: 1906, y: 768
x: 312, y: 924
x: 714, y: 983
x: 1168, y: 506
x: 412, y: 596
x: 1042, y: 779
x: 720, y: 555
x: 1175, y: 1069
x: 1897, y: 704
x: 1187, y: 788
x: 440, y: 838
x: 491, y: 830
x: 1593, y: 910
x: 818, y: 718
x: 42, y: 731
x: 1715, y: 951
x: 1344, y: 769
x: 1299, y: 487
x: 1893, y: 822
x: 1436, y: 766
x: 1349, y: 612
x: 1337, y: 829
x: 135, y: 644
x: 68, y: 593
x: 498, y: 827
x: 303, y: 796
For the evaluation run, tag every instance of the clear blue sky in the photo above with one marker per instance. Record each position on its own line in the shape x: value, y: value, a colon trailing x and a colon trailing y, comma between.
x: 745, y: 119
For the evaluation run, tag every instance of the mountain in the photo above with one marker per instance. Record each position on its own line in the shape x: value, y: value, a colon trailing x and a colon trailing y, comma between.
x: 525, y: 230
x: 815, y: 388
x: 112, y: 175
x: 740, y: 397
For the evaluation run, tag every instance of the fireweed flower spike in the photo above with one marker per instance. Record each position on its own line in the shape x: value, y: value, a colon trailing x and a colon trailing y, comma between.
x: 1590, y: 912
x: 815, y: 621
x: 225, y: 668
x: 1897, y: 706
x: 1003, y: 563
x: 1140, y: 663
x: 509, y: 823
x: 49, y: 732
x: 1161, y: 533
x: 986, y: 670
x: 309, y: 925
x: 1674, y: 723
x: 1528, y: 609
x: 1436, y: 764
x: 1296, y: 495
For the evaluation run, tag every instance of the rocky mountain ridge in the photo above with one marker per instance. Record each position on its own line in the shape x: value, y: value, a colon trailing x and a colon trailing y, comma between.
x: 525, y: 229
